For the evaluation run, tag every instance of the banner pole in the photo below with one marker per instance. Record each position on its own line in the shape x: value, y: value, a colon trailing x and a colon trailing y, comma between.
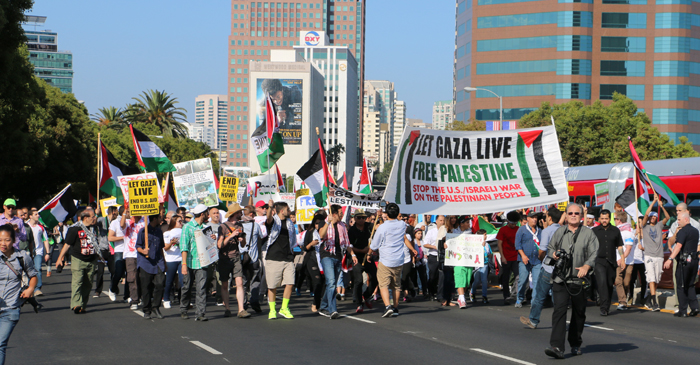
x: 374, y: 228
x: 99, y: 159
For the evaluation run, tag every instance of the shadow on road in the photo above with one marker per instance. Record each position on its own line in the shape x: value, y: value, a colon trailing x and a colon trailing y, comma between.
x: 613, y: 347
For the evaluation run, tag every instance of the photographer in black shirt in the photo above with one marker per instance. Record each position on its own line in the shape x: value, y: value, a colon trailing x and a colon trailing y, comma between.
x: 686, y: 252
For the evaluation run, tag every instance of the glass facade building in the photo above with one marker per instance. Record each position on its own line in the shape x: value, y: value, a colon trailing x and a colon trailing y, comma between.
x: 51, y: 65
x: 532, y: 51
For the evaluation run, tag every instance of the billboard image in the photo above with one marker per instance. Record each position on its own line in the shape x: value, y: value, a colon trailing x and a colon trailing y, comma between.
x: 287, y: 96
x: 194, y: 183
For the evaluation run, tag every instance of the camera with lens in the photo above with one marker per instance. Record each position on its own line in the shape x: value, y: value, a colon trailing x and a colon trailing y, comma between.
x: 561, y: 265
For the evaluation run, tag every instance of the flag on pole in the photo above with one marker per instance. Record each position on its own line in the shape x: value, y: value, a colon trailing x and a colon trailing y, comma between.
x: 170, y: 202
x: 365, y: 180
x: 267, y: 139
x: 312, y: 174
x: 662, y: 189
x: 280, y: 180
x: 58, y: 209
x: 148, y: 154
x: 344, y: 183
x: 110, y: 170
x: 628, y: 198
x: 658, y: 186
x: 273, y: 123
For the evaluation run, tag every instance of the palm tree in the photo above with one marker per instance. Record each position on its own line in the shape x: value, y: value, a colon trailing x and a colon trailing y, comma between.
x: 110, y: 117
x: 158, y: 107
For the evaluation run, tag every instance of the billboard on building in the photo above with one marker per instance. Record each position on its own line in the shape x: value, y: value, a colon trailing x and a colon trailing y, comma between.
x: 287, y: 96
x: 313, y: 38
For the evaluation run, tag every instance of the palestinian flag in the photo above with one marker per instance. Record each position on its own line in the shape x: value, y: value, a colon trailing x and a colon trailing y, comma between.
x: 648, y: 178
x: 110, y: 170
x: 530, y: 152
x: 148, y: 154
x: 60, y: 208
x: 482, y: 223
x: 365, y: 181
x: 267, y: 138
x: 628, y: 200
x: 169, y: 194
x: 313, y: 176
x: 280, y: 181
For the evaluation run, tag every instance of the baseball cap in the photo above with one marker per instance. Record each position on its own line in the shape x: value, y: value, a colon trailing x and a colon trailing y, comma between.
x: 261, y: 204
x: 9, y: 202
x: 653, y: 214
x: 233, y: 209
x: 199, y: 209
x: 532, y: 214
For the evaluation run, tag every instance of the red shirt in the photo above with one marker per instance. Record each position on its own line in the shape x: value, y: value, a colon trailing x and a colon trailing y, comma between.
x: 507, y: 236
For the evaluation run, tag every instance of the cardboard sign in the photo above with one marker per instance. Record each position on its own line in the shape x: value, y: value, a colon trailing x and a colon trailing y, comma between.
x: 207, y: 252
x: 602, y: 193
x: 106, y: 203
x: 263, y: 188
x: 305, y: 206
x: 143, y: 197
x: 464, y: 250
x: 562, y: 206
x: 228, y: 189
x: 124, y: 183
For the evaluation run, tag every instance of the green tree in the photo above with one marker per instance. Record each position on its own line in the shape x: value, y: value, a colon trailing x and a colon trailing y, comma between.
x: 473, y: 125
x: 334, y: 153
x: 109, y: 117
x: 159, y: 108
x: 597, y: 134
x: 383, y: 176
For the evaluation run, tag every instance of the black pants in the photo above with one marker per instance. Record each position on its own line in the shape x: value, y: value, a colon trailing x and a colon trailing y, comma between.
x: 506, y: 269
x: 406, y: 283
x: 422, y: 272
x: 316, y: 279
x: 638, y: 272
x: 99, y: 279
x: 685, y: 286
x: 433, y: 275
x: 152, y: 286
x: 605, y: 274
x: 357, y: 294
x: 578, y: 315
x: 118, y: 273
x: 447, y: 283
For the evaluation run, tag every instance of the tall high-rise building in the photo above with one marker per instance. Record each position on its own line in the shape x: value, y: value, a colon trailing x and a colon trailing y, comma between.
x: 257, y: 27
x: 51, y: 65
x: 211, y: 113
x: 370, y: 134
x: 442, y: 114
x: 529, y: 52
x: 379, y: 96
x: 399, y: 121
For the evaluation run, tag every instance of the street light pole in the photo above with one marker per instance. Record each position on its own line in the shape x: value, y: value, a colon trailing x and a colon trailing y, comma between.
x: 500, y: 100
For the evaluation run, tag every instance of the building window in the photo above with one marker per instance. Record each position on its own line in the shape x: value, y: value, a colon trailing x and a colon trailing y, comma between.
x: 623, y: 44
x: 562, y: 43
x: 671, y: 92
x: 624, y: 20
x: 561, y: 18
x: 634, y: 92
x: 622, y: 68
x: 676, y: 20
x: 675, y: 44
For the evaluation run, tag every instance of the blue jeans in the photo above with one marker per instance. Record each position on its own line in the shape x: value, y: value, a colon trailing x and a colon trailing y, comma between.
x: 542, y: 288
x: 331, y: 270
x: 481, y: 276
x: 8, y: 321
x: 173, y: 268
x: 37, y: 267
x: 523, y: 279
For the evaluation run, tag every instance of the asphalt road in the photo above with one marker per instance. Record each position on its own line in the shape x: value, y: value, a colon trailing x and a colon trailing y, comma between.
x: 110, y: 333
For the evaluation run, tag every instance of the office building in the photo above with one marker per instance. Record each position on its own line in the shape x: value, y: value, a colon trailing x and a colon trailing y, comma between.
x: 195, y: 132
x: 442, y: 114
x: 51, y: 65
x: 296, y: 89
x: 258, y: 27
x: 418, y: 123
x: 529, y: 52
x: 211, y: 113
x: 399, y: 122
x: 370, y: 134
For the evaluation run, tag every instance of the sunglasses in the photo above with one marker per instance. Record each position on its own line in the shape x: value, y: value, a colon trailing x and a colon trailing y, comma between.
x: 574, y: 213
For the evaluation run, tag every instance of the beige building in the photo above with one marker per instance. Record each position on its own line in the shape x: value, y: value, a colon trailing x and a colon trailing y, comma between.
x: 399, y: 122
x: 370, y: 134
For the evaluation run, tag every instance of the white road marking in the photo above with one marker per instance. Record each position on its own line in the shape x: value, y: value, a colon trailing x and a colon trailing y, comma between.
x: 205, y: 347
x: 503, y: 357
x: 139, y: 312
x: 592, y: 326
x: 357, y: 319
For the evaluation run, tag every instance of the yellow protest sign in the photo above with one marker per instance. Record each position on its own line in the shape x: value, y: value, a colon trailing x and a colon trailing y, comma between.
x: 228, y: 189
x: 143, y: 197
x: 106, y: 203
x: 305, y: 206
x: 562, y: 206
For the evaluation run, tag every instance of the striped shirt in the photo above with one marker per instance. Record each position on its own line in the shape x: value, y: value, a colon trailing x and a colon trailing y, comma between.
x: 188, y: 244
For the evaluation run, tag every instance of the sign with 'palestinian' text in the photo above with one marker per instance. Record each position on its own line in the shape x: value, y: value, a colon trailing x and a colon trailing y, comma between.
x: 346, y: 198
x: 143, y: 197
x: 464, y: 250
x: 459, y: 172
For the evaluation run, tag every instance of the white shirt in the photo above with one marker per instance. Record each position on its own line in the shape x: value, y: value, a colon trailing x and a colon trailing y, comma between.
x: 39, y: 238
x: 260, y: 220
x: 406, y: 251
x: 638, y: 254
x: 172, y: 254
x: 628, y: 240
x: 115, y: 227
x: 430, y: 239
x: 133, y: 231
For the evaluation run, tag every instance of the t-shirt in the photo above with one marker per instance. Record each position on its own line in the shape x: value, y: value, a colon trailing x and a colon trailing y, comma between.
x: 627, y: 240
x: 130, y: 234
x: 431, y: 239
x: 406, y: 251
x: 173, y: 254
x: 638, y: 254
x: 80, y: 247
x: 215, y: 228
x: 229, y: 250
x: 652, y: 236
x: 280, y: 250
x: 688, y: 236
x: 359, y: 239
x: 39, y: 238
x: 389, y: 241
x: 507, y: 236
x: 115, y: 226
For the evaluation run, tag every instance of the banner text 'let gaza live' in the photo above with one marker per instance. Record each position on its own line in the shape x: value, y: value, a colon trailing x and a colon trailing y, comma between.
x: 458, y: 172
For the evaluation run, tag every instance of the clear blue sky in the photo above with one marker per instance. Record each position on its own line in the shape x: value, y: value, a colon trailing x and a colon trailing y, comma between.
x: 121, y: 48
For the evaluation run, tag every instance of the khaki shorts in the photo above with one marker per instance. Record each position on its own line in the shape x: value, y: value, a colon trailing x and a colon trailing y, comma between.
x: 654, y: 267
x: 278, y: 273
x: 389, y: 277
x: 229, y: 268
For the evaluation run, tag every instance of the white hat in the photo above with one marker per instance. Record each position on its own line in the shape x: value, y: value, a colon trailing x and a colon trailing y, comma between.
x: 590, y: 216
x: 199, y: 209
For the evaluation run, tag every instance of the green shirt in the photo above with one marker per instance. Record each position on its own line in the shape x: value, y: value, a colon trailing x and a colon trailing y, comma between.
x: 188, y: 244
x: 584, y: 253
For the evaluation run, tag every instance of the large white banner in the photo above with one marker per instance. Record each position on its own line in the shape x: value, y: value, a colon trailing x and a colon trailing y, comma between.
x: 194, y: 184
x: 264, y: 187
x: 457, y: 172
x: 346, y: 198
x: 464, y: 250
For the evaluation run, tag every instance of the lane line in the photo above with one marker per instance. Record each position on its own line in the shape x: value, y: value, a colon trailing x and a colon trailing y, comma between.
x: 592, y: 326
x: 205, y: 347
x: 503, y: 357
x: 357, y: 319
x: 139, y: 312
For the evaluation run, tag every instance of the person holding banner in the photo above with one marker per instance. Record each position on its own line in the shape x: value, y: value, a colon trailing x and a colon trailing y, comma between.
x: 279, y: 259
x: 151, y: 264
x: 131, y: 228
x: 194, y: 273
x: 527, y: 243
x: 430, y: 245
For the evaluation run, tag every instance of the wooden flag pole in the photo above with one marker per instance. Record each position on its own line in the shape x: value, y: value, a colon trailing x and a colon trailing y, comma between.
x: 145, y: 236
x: 636, y: 193
x: 374, y: 228
x: 99, y: 160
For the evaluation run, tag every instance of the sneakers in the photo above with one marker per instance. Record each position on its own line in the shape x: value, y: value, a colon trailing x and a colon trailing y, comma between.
x: 396, y: 312
x: 622, y: 307
x: 324, y: 313
x: 243, y: 314
x: 227, y: 313
x: 112, y: 296
x: 157, y: 314
x: 485, y: 300
x: 256, y: 307
x: 462, y: 303
x: 97, y: 295
x: 471, y: 297
x: 147, y: 316
x: 388, y: 312
x: 576, y: 351
x: 335, y: 315
x: 359, y: 309
x: 526, y: 321
x: 655, y: 307
x: 284, y: 312
x: 554, y: 352
x: 134, y: 307
x: 201, y: 318
x: 219, y: 304
x: 603, y: 312
x: 272, y: 315
x: 38, y: 293
x: 166, y: 304
x: 184, y: 315
x: 518, y: 304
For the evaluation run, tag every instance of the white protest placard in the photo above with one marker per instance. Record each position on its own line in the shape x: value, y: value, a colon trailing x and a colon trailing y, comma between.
x: 464, y: 250
x: 207, y: 252
x: 124, y: 183
x: 346, y: 198
x: 194, y: 183
x: 263, y: 188
x: 290, y: 199
x: 305, y: 206
x: 464, y: 172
